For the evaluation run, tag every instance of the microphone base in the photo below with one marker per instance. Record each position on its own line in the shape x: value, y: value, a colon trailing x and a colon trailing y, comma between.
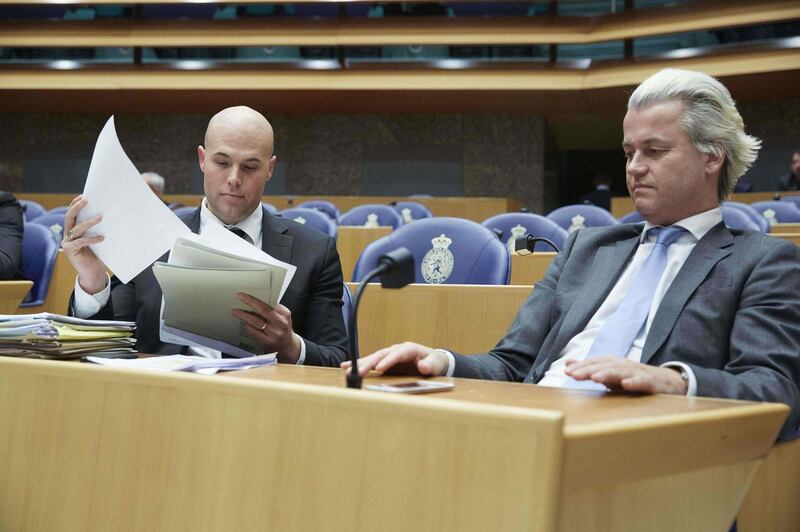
x: 354, y: 380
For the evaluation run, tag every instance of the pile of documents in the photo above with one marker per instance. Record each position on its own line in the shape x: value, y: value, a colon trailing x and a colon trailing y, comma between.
x: 207, y: 366
x: 48, y: 335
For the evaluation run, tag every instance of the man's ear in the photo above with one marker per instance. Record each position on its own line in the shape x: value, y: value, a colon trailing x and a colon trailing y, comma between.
x: 715, y: 160
x: 271, y: 166
x: 201, y: 157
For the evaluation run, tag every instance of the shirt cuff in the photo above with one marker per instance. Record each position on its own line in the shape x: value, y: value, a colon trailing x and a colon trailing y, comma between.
x: 451, y: 363
x: 302, y: 359
x: 691, y: 386
x: 87, y: 305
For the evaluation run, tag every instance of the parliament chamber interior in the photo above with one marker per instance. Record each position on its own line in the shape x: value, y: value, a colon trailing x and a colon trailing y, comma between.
x: 401, y: 179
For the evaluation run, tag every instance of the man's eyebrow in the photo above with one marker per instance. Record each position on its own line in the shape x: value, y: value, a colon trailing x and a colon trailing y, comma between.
x: 647, y: 141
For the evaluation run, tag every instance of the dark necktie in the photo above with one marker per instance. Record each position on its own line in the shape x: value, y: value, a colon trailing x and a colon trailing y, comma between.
x: 238, y: 231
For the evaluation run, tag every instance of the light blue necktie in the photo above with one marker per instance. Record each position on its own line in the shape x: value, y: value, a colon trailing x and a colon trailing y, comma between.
x: 617, y: 334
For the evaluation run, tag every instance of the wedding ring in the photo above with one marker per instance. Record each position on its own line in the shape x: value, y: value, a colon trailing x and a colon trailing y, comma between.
x: 265, y: 325
x: 70, y: 235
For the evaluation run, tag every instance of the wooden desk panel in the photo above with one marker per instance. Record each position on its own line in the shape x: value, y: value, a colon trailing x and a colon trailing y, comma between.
x: 784, y: 228
x: 101, y: 449
x: 791, y: 237
x: 466, y: 318
x: 352, y: 240
x: 529, y: 269
x: 11, y: 295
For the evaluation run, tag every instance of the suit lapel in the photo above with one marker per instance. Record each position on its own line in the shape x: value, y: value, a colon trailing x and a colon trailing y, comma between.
x: 713, y: 247
x: 608, y: 263
x: 274, y: 240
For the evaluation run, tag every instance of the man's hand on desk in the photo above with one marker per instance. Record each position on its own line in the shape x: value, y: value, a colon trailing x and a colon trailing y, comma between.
x: 406, y: 358
x: 622, y: 374
x: 272, y: 327
x: 91, y: 270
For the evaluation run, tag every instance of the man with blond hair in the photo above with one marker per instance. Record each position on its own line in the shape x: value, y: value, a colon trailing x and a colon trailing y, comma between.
x: 237, y: 160
x: 680, y: 304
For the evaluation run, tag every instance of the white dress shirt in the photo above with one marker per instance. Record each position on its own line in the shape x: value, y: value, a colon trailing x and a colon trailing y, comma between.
x: 86, y: 305
x: 576, y: 349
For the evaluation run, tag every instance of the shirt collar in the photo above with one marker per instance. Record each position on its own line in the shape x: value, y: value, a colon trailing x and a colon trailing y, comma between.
x: 251, y: 225
x: 697, y: 225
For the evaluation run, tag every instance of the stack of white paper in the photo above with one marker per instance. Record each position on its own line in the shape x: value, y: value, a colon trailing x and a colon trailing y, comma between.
x: 200, y: 282
x: 187, y: 363
x: 48, y: 335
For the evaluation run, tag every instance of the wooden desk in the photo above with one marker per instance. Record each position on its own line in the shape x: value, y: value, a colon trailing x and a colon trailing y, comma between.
x: 11, y: 295
x: 465, y: 318
x: 352, y: 240
x: 529, y: 269
x: 784, y: 228
x: 791, y: 237
x: 288, y: 448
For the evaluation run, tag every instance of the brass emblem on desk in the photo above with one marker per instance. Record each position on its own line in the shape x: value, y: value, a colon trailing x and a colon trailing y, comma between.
x: 577, y: 223
x: 437, y: 264
x: 516, y: 232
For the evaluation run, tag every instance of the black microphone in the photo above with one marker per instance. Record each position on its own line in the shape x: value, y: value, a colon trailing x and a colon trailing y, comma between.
x: 524, y: 245
x: 396, y: 269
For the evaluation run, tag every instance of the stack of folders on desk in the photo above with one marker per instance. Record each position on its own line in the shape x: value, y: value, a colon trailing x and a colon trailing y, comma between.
x: 200, y: 285
x: 48, y: 335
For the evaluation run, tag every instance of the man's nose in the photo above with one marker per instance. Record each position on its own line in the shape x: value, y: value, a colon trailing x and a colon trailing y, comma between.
x: 636, y: 166
x: 234, y: 177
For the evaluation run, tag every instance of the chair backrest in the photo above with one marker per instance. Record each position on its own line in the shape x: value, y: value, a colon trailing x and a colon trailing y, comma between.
x: 270, y: 208
x: 58, y: 210
x: 372, y: 214
x: 322, y: 205
x: 411, y: 210
x: 53, y: 221
x: 445, y: 250
x: 751, y: 213
x: 31, y: 209
x: 312, y: 218
x: 631, y: 218
x: 39, y: 251
x: 180, y: 211
x: 573, y: 217
x: 793, y: 199
x: 515, y: 224
x: 778, y: 211
x: 736, y: 219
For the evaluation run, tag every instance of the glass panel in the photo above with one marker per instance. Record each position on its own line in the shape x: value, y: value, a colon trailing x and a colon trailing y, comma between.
x: 601, y: 50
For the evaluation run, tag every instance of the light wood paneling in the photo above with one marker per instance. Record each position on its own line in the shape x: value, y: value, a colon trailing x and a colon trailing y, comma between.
x: 529, y: 269
x: 101, y: 449
x: 784, y: 228
x: 11, y: 294
x: 465, y: 318
x: 352, y: 240
x: 771, y: 503
x: 396, y: 31
x: 791, y: 237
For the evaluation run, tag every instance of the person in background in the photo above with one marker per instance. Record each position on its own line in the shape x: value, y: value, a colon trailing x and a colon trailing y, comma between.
x: 156, y: 183
x: 11, y: 228
x: 679, y: 305
x: 791, y: 181
x: 601, y: 195
x: 237, y: 160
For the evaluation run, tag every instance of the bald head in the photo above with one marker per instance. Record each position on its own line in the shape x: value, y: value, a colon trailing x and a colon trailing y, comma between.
x: 236, y: 161
x: 241, y: 122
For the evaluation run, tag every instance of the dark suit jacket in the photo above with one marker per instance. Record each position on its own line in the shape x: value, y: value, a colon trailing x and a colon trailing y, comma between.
x: 788, y: 182
x: 732, y: 314
x: 599, y: 197
x: 314, y: 296
x: 10, y: 237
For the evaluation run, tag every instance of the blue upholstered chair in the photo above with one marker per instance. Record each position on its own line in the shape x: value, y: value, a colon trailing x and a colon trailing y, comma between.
x: 514, y: 224
x: 736, y: 219
x: 31, y: 209
x: 631, y: 218
x: 180, y: 211
x: 573, y: 217
x: 783, y: 212
x: 445, y: 250
x: 270, y: 208
x: 793, y: 199
x: 751, y: 213
x: 411, y: 210
x: 39, y: 251
x: 363, y: 214
x: 322, y: 205
x: 347, y: 310
x: 312, y: 218
x: 58, y: 210
x: 53, y: 221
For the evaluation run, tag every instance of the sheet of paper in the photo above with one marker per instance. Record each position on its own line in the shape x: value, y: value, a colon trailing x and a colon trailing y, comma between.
x: 187, y: 363
x: 137, y: 226
x: 200, y: 301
